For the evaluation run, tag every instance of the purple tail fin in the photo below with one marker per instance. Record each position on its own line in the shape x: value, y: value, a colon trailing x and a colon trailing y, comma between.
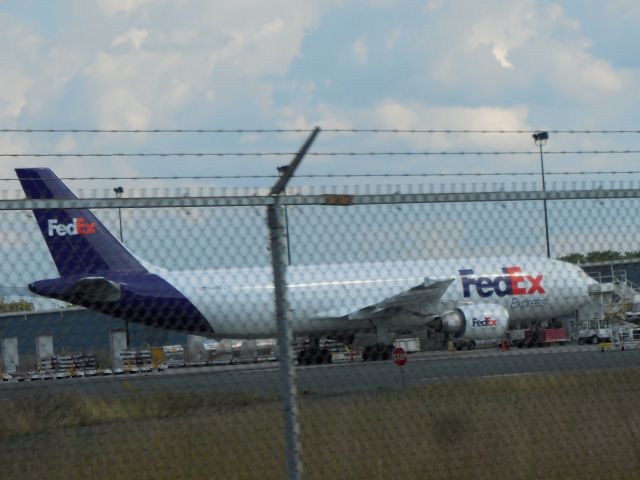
x: 79, y: 243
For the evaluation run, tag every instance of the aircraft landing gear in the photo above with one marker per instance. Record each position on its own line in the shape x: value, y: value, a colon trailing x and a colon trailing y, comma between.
x: 379, y: 351
x: 313, y: 355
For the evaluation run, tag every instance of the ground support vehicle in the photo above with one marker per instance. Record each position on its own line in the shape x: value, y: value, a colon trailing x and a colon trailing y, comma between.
x: 408, y: 344
x: 625, y: 336
x: 594, y: 335
x: 538, y: 337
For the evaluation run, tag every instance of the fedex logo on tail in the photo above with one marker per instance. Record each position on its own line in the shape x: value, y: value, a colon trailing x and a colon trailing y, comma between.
x: 79, y: 226
x: 513, y: 282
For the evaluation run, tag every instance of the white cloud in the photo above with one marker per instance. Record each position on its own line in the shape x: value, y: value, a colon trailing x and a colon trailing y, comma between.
x: 111, y: 7
x: 392, y: 39
x: 360, y: 51
x: 271, y: 28
x: 392, y: 114
x: 204, y: 56
x: 134, y: 36
x: 545, y: 43
x: 13, y: 94
x: 67, y: 144
x: 121, y: 108
x: 395, y: 114
x: 500, y: 55
x: 500, y: 26
x: 582, y: 77
x: 432, y: 6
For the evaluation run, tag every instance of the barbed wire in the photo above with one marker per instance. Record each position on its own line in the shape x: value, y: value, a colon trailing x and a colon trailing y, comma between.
x: 319, y: 154
x: 305, y: 130
x: 345, y: 175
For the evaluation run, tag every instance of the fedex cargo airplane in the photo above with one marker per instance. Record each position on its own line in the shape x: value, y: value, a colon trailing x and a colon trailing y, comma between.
x: 466, y: 298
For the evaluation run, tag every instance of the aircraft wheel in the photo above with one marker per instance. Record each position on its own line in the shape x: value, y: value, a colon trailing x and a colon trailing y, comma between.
x: 308, y: 358
x: 366, y: 354
x: 326, y: 355
x: 374, y: 353
x: 387, y: 350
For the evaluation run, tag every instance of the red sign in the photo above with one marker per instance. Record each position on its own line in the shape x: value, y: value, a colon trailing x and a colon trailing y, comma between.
x: 400, y: 357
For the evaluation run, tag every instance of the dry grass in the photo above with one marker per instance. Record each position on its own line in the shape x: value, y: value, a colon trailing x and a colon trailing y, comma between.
x: 574, y: 425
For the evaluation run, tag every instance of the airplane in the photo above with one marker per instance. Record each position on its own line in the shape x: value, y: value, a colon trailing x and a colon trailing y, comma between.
x: 471, y: 299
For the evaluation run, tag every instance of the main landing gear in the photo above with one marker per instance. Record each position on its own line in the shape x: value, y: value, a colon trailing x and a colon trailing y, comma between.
x: 379, y: 351
x: 313, y: 355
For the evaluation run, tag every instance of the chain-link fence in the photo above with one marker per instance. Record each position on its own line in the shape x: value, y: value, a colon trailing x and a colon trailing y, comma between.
x: 159, y: 359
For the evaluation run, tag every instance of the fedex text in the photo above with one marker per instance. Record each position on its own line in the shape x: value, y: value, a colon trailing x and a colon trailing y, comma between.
x: 513, y: 282
x: 487, y: 321
x: 78, y: 226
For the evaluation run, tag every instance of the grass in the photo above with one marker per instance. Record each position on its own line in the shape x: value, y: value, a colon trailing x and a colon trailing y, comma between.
x: 569, y: 425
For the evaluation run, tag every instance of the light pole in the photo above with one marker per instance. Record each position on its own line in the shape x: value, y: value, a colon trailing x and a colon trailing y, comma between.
x: 119, y: 191
x: 282, y: 170
x: 540, y: 139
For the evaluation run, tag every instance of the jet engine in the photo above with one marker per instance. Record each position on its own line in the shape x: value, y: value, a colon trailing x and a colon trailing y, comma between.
x: 480, y: 321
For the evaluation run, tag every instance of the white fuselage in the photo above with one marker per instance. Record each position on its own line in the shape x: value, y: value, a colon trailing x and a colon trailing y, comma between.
x: 240, y: 302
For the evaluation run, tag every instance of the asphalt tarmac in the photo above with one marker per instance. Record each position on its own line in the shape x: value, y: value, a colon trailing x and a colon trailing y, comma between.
x: 421, y: 369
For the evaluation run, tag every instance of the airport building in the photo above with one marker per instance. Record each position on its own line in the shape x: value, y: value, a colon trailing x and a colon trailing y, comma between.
x: 77, y: 330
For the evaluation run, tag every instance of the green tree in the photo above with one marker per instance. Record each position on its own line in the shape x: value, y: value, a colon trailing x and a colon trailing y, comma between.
x: 573, y: 258
x: 599, y: 256
x: 603, y: 256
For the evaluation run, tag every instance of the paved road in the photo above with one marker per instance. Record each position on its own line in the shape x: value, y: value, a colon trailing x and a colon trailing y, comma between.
x: 421, y: 369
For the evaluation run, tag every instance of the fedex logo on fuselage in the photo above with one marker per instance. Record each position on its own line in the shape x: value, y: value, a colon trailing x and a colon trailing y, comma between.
x: 513, y: 282
x: 78, y: 226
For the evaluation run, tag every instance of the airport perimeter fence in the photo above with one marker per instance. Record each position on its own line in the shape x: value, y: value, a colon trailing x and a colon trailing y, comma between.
x: 180, y: 375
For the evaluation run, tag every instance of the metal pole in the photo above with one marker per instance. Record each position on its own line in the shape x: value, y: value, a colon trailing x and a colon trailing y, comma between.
x: 541, y: 139
x: 288, y: 389
x: 286, y: 228
x: 275, y: 220
x: 546, y: 215
x: 283, y: 170
x: 119, y: 191
x: 120, y: 221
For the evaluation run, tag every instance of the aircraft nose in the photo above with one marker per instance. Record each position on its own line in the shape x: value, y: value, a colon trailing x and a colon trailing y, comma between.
x: 591, y: 285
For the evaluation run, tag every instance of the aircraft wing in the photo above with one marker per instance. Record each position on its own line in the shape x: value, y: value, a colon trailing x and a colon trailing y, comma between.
x: 429, y: 291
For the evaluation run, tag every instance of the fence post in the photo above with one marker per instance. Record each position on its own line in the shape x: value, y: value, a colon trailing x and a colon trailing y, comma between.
x: 285, y: 339
x: 279, y: 259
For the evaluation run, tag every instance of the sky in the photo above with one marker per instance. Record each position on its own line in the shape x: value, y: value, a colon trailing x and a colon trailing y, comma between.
x: 295, y: 64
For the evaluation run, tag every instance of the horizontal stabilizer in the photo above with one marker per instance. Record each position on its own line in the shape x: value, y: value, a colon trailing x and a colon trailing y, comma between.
x: 79, y: 291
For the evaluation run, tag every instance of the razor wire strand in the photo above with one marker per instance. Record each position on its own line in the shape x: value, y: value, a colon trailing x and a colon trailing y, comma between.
x: 347, y: 175
x: 325, y: 130
x: 317, y: 154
